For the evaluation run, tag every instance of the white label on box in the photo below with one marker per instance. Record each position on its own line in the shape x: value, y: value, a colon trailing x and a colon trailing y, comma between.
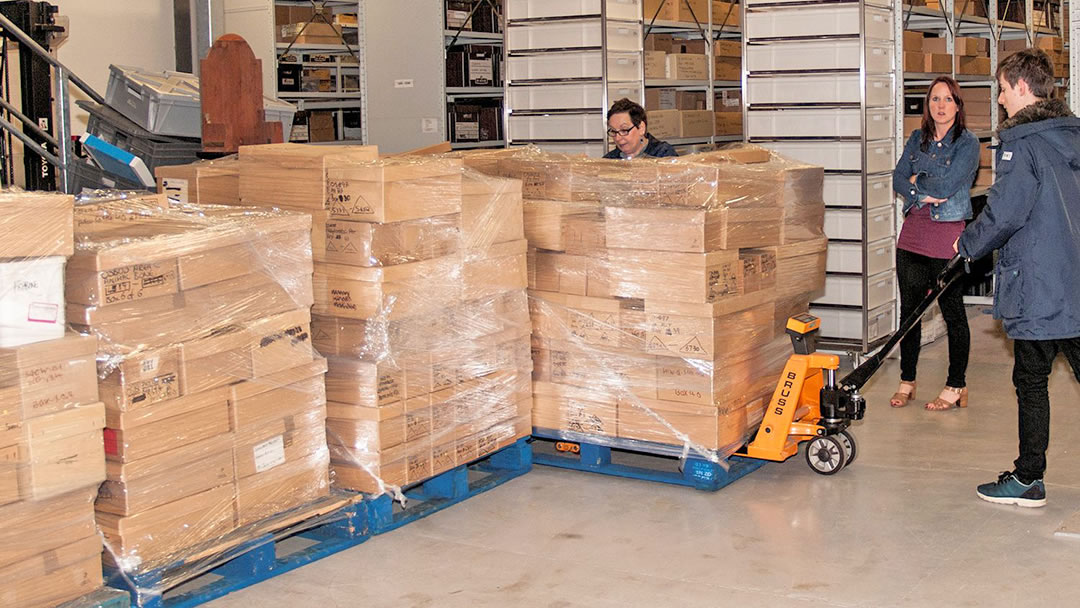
x: 467, y: 130
x: 150, y: 365
x: 269, y: 453
x: 42, y: 312
x: 403, y: 83
x: 175, y: 188
x: 481, y: 70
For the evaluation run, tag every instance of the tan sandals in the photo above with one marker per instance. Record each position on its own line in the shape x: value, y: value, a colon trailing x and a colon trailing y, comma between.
x: 901, y: 397
x: 959, y: 395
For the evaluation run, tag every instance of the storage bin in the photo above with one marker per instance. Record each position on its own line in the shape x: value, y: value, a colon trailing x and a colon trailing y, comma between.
x: 531, y: 9
x: 818, y: 88
x: 155, y: 150
x: 847, y: 257
x: 847, y: 224
x: 87, y: 176
x: 571, y: 95
x: 621, y: 36
x: 821, y: 20
x: 819, y: 55
x: 846, y: 191
x: 839, y: 155
x: 848, y: 290
x: 31, y: 300
x: 819, y: 122
x: 556, y: 126
x: 847, y: 323
x: 547, y: 66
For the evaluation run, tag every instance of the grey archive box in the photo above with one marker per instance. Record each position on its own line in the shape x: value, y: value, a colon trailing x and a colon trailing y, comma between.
x: 167, y: 103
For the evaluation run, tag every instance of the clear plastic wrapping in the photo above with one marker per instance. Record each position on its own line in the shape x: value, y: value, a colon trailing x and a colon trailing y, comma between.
x: 656, y: 290
x: 214, y: 400
x: 207, y: 182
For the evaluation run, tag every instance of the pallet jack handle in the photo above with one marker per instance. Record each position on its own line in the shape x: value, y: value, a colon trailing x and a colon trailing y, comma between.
x: 953, y: 270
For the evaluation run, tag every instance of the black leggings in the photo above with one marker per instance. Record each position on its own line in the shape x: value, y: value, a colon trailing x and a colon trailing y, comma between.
x: 916, y: 274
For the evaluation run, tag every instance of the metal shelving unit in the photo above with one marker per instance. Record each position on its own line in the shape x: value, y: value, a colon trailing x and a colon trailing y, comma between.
x: 452, y: 95
x: 569, y: 55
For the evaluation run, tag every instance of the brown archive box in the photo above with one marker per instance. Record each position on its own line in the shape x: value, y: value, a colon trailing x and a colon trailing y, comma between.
x: 45, y: 377
x: 358, y: 243
x: 397, y: 291
x: 164, y: 426
x: 214, y: 182
x: 192, y: 468
x: 692, y: 230
x: 56, y: 453
x: 290, y: 175
x: 54, y: 576
x: 393, y: 189
x: 258, y: 449
x: 568, y: 408
x: 31, y: 528
x: 282, y: 488
x: 36, y: 224
x: 706, y: 337
x: 681, y: 277
x: 140, y: 378
x: 491, y: 211
x: 363, y: 383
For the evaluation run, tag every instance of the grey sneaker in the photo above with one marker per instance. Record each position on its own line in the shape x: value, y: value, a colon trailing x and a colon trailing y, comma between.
x: 1008, y: 490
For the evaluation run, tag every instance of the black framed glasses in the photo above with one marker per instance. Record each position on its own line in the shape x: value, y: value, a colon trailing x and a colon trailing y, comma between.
x: 623, y: 132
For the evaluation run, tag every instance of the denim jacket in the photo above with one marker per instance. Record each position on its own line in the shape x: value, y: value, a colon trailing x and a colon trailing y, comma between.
x: 946, y: 170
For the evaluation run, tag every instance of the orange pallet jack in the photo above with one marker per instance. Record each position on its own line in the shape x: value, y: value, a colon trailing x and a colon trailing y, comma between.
x: 810, y: 405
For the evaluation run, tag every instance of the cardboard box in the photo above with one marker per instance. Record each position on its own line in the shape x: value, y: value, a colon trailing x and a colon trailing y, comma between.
x: 45, y: 377
x: 655, y: 65
x: 682, y: 277
x: 57, y: 453
x: 686, y: 67
x: 54, y: 576
x: 472, y: 65
x: 913, y: 42
x: 31, y: 300
x: 166, y: 426
x: 139, y: 380
x: 691, y: 230
x: 660, y: 10
x: 161, y: 534
x: 397, y: 291
x: 727, y: 68
x: 660, y: 99
x: 491, y: 211
x: 914, y: 61
x: 703, y: 337
x: 36, y: 224
x: 658, y: 42
x: 689, y: 100
x: 311, y: 32
x: 203, y: 182
x: 291, y: 175
x: 561, y: 407
x: 106, y: 286
x: 501, y: 268
x: 691, y: 46
x: 277, y: 403
x: 691, y: 11
x: 366, y: 429
x: 729, y: 123
x: 32, y: 528
x: 258, y: 449
x: 393, y: 190
x: 726, y: 14
x: 365, y: 244
x: 544, y: 220
x: 664, y: 124
x: 937, y: 46
x: 936, y: 63
x: 150, y: 482
x: 973, y: 65
x: 696, y: 424
x: 729, y: 100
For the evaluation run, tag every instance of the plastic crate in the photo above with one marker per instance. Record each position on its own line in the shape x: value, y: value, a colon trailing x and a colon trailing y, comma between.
x: 839, y: 155
x: 556, y: 126
x: 547, y: 66
x: 819, y: 55
x: 847, y: 257
x: 846, y: 191
x: 823, y: 20
x: 87, y: 176
x: 847, y: 323
x: 573, y: 95
x: 154, y: 150
x: 167, y: 103
x: 572, y: 35
x: 817, y: 88
x: 848, y: 290
x: 819, y: 122
x: 846, y: 224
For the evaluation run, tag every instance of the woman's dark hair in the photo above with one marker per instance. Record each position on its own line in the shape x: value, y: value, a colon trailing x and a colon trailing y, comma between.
x: 928, y: 128
x: 636, y: 112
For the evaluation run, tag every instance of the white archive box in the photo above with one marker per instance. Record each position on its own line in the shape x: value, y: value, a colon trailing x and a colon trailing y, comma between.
x: 621, y: 36
x: 531, y: 9
x: 847, y: 323
x: 820, y: 20
x: 819, y: 122
x: 847, y: 257
x: 847, y: 290
x: 571, y: 95
x: 817, y: 88
x: 846, y: 224
x: 31, y: 300
x: 819, y: 55
x: 620, y: 66
x: 846, y: 191
x: 555, y: 126
x: 839, y: 155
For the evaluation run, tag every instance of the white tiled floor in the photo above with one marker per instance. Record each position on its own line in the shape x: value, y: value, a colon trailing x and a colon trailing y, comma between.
x: 901, y: 527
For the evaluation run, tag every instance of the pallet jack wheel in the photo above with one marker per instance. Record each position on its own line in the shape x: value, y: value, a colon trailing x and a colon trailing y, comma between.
x: 826, y: 455
x: 848, y: 441
x: 566, y: 446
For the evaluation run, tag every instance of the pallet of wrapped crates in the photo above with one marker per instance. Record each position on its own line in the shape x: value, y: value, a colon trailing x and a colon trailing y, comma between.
x: 214, y: 397
x: 655, y: 298
x: 51, y: 420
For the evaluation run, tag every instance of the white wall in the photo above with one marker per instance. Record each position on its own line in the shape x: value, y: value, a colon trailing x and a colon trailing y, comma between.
x: 125, y: 32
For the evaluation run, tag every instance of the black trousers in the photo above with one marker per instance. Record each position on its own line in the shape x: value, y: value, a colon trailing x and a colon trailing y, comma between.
x: 916, y: 274
x: 1032, y: 362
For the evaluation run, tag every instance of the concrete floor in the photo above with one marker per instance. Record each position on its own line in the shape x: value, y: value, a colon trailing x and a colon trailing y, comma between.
x: 901, y: 527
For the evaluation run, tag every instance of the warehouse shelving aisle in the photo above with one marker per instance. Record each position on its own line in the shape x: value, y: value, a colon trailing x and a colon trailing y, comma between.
x: 473, y: 53
x: 819, y: 87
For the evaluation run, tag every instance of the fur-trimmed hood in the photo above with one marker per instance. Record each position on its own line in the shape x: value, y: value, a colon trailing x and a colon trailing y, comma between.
x: 1040, y: 110
x: 1049, y: 126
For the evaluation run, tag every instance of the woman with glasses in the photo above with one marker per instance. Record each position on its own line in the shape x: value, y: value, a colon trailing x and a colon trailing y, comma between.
x: 626, y: 125
x: 934, y: 177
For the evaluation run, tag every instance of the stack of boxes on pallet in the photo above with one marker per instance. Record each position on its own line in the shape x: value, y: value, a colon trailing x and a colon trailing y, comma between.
x: 419, y: 306
x: 51, y: 421
x: 214, y: 401
x: 654, y: 290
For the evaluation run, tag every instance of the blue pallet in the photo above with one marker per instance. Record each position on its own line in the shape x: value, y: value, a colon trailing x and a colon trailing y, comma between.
x: 450, y: 488
x: 249, y: 562
x: 657, y: 464
x: 106, y: 597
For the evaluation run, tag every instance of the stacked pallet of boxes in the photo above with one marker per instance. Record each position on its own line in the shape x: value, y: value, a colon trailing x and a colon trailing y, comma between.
x: 214, y: 402
x: 420, y: 309
x: 655, y: 290
x: 51, y: 421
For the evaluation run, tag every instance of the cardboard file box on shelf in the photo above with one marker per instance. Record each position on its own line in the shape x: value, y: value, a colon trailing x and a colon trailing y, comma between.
x: 664, y: 124
x: 686, y: 67
x: 36, y: 224
x: 31, y: 300
x: 696, y: 123
x: 729, y: 123
x: 656, y: 65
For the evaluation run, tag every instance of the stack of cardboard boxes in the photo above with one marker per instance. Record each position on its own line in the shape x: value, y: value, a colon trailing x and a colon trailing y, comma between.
x: 1052, y: 45
x: 419, y: 306
x: 51, y: 421
x: 214, y: 400
x: 655, y: 289
x: 692, y: 11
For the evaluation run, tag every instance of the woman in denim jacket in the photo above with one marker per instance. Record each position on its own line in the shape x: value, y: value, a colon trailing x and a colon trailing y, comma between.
x: 934, y: 177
